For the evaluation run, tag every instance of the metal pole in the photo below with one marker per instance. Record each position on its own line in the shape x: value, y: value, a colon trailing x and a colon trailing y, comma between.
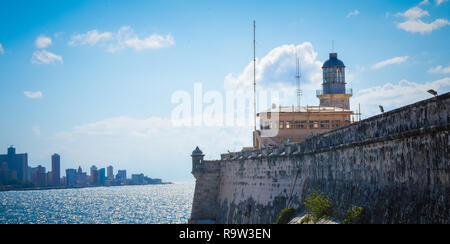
x: 254, y: 81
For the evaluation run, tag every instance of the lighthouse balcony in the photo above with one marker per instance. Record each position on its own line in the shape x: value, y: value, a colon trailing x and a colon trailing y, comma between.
x: 321, y: 92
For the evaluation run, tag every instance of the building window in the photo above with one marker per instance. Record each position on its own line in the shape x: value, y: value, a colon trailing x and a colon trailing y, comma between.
x: 336, y: 123
x: 281, y: 124
x: 288, y: 124
x: 313, y: 124
x: 324, y: 124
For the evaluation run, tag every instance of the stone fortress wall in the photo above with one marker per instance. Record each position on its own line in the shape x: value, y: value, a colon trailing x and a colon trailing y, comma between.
x: 396, y: 165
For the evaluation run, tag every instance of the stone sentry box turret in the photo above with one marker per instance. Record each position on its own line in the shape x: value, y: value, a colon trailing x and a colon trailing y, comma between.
x: 197, y: 161
x: 206, y: 173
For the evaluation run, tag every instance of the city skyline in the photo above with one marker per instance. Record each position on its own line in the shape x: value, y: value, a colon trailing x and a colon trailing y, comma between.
x: 16, y: 172
x: 94, y: 81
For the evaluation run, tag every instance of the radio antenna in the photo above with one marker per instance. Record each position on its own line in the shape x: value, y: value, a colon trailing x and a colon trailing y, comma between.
x: 297, y: 76
x: 254, y: 83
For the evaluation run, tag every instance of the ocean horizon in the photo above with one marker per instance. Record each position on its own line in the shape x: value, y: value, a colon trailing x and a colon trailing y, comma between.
x: 144, y: 204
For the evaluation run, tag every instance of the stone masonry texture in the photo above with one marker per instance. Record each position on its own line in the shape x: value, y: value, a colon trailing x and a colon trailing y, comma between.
x: 396, y: 165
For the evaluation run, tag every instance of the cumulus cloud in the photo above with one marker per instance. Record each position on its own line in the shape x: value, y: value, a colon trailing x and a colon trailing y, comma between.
x: 125, y: 37
x: 414, y: 13
x: 396, y: 60
x: 439, y: 2
x: 45, y: 57
x: 43, y: 42
x: 424, y: 2
x: 418, y: 26
x: 90, y: 38
x: 278, y: 67
x: 33, y: 95
x: 353, y: 13
x: 440, y: 70
x: 414, y: 24
x: 392, y: 96
x: 2, y: 51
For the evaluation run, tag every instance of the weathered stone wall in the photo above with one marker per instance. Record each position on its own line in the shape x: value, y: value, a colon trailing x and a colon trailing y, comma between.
x: 396, y: 165
x: 204, y: 205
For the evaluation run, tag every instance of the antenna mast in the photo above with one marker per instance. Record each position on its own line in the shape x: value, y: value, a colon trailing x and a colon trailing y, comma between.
x: 254, y: 82
x: 297, y: 76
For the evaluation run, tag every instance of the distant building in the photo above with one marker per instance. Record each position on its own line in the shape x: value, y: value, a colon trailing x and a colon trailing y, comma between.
x: 121, y: 175
x: 94, y: 175
x: 137, y: 179
x: 110, y: 173
x: 101, y: 176
x: 49, y: 179
x: 71, y: 177
x: 39, y: 177
x: 30, y: 173
x: 17, y: 163
x: 6, y: 175
x: 82, y: 178
x: 56, y: 170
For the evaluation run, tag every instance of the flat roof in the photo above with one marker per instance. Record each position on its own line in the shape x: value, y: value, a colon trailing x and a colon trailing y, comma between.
x: 307, y: 109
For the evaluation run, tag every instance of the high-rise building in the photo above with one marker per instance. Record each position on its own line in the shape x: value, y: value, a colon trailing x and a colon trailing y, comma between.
x: 101, y: 176
x: 82, y: 178
x: 56, y: 170
x: 121, y: 175
x: 6, y: 175
x: 39, y: 177
x: 71, y: 177
x: 137, y: 179
x: 110, y: 173
x: 94, y: 175
x: 17, y: 163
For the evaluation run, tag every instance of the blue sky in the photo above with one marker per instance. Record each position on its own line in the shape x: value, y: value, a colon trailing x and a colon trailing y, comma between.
x: 78, y: 77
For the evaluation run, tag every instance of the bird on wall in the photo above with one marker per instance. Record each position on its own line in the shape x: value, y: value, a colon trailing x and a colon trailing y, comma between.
x: 432, y: 92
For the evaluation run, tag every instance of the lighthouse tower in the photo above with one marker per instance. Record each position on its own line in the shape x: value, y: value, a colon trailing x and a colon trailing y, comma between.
x: 333, y: 93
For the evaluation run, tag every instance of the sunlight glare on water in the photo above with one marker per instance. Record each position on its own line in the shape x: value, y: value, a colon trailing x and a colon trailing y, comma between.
x: 149, y: 204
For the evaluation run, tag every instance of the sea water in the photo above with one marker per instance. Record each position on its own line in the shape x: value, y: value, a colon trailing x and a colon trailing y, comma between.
x: 148, y: 204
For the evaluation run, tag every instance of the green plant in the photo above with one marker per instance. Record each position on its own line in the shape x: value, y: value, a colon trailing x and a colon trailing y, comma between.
x: 356, y: 215
x: 306, y: 219
x: 285, y: 216
x: 318, y: 205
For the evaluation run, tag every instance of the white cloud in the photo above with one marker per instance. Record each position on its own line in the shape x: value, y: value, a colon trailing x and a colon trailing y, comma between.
x: 43, y: 42
x: 33, y: 95
x: 125, y: 37
x: 424, y: 2
x: 2, y: 51
x: 45, y: 57
x: 439, y: 2
x: 91, y: 38
x: 353, y: 13
x: 396, y: 60
x: 414, y: 24
x: 392, y: 96
x: 418, y: 26
x: 414, y: 13
x: 278, y: 67
x: 439, y: 69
